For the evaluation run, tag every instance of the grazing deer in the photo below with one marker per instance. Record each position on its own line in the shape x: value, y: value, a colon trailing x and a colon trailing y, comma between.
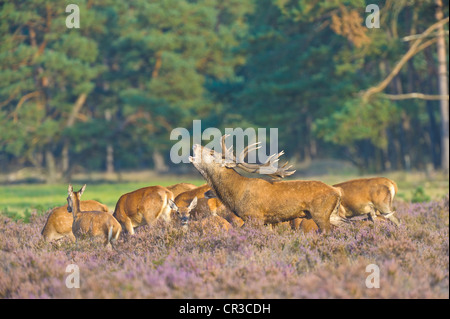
x: 365, y: 196
x: 179, y: 188
x: 59, y: 223
x: 207, y: 205
x: 208, y: 220
x: 270, y: 202
x: 143, y: 206
x: 368, y: 196
x: 91, y: 223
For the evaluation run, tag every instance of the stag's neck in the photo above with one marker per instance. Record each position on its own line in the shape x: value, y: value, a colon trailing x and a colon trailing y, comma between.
x: 228, y: 185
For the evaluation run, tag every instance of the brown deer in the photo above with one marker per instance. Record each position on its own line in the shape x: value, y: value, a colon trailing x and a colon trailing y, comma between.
x: 179, y: 188
x: 59, y: 223
x: 143, y: 206
x: 216, y: 205
x: 268, y: 201
x: 91, y: 223
x: 372, y: 197
x: 368, y: 196
x: 183, y: 212
x: 184, y: 208
x: 207, y: 205
x: 202, y: 209
x: 203, y: 220
x: 214, y: 223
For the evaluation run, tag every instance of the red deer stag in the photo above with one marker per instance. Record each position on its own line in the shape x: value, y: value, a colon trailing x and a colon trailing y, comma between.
x: 270, y: 202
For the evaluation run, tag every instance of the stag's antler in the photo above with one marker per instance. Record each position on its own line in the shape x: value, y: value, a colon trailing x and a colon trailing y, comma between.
x: 268, y: 168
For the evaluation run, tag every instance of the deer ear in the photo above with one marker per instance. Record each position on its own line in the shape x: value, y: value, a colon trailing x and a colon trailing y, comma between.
x: 172, y: 205
x: 81, y: 191
x: 70, y: 189
x: 193, y: 203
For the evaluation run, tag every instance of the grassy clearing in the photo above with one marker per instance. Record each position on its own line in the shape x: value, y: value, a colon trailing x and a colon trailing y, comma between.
x: 19, y: 201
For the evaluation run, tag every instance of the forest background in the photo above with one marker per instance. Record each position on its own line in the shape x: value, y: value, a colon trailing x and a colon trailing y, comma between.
x: 104, y: 97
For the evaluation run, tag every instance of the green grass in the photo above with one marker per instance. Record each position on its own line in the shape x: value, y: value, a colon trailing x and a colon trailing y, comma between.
x: 19, y: 201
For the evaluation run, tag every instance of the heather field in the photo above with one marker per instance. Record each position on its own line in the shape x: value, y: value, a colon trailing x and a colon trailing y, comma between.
x: 252, y: 262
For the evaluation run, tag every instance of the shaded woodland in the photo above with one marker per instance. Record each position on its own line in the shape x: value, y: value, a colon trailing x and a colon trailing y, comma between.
x: 106, y: 96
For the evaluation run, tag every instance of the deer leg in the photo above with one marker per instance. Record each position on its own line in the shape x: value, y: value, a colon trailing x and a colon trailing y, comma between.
x: 72, y: 237
x: 372, y: 214
x: 322, y: 220
x: 387, y: 212
x: 323, y: 224
x: 321, y: 216
x: 128, y: 226
x: 108, y: 245
x: 391, y: 217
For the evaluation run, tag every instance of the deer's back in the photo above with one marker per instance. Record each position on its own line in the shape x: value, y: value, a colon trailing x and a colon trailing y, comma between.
x: 60, y: 220
x: 359, y: 195
x: 141, y: 200
x: 185, y: 198
x: 177, y: 189
x: 94, y: 223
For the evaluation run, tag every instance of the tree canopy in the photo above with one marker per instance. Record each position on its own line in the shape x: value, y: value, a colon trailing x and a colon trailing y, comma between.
x: 108, y: 94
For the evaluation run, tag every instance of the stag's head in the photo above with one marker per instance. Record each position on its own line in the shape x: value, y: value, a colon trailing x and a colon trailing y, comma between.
x: 210, y: 163
x: 183, y: 213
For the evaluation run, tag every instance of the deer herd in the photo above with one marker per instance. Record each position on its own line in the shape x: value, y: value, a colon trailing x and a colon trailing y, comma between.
x: 228, y: 199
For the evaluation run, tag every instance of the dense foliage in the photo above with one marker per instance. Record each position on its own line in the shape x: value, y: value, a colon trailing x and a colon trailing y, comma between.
x: 251, y: 262
x: 107, y: 95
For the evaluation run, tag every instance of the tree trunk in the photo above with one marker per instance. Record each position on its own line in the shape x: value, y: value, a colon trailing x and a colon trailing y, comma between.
x: 70, y: 122
x: 109, y: 159
x: 158, y: 160
x: 433, y: 129
x: 109, y: 148
x: 51, y: 176
x: 443, y: 89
